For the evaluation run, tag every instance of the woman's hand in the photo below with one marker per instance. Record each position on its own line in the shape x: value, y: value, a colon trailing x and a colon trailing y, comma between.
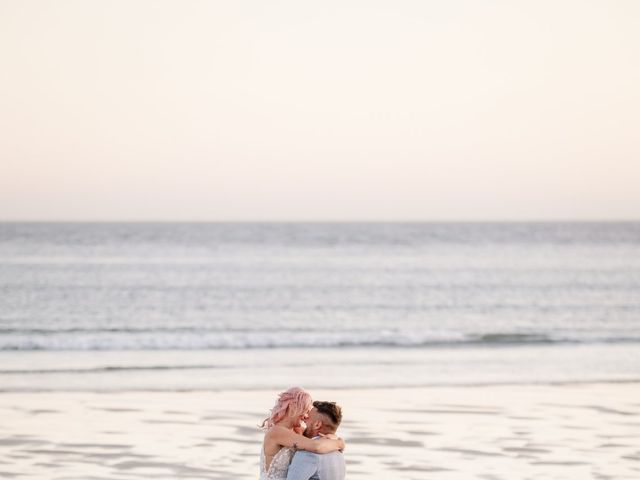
x: 333, y: 436
x: 288, y: 438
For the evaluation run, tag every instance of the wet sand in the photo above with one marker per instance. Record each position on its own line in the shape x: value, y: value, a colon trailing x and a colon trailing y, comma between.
x: 495, y: 432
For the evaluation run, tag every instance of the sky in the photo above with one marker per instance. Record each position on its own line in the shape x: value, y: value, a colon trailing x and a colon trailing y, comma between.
x: 335, y: 110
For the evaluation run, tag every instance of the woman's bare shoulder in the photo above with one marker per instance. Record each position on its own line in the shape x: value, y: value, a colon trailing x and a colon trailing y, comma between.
x: 275, y: 431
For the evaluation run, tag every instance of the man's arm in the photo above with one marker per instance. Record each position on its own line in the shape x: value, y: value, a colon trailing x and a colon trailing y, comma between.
x: 303, y: 465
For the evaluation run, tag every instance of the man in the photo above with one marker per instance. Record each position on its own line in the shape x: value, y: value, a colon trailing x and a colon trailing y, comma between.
x: 324, y: 418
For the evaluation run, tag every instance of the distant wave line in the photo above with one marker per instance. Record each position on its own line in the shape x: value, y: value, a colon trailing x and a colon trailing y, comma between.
x: 194, y: 330
x: 314, y: 288
x: 197, y: 342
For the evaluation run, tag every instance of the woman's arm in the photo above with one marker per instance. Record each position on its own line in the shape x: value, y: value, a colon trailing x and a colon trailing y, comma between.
x: 287, y: 438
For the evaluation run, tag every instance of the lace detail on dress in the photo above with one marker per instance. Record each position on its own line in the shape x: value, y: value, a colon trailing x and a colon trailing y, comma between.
x: 279, y: 464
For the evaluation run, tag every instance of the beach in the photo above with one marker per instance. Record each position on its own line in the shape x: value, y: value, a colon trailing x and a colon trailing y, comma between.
x: 425, y: 212
x: 564, y: 431
x: 458, y: 351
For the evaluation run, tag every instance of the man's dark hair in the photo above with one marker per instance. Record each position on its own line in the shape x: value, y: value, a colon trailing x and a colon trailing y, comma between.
x: 331, y: 411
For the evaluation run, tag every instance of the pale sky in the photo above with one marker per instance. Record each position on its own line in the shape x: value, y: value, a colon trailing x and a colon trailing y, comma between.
x: 327, y: 110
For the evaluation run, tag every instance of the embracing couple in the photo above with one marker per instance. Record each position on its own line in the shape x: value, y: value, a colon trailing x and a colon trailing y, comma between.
x: 300, y: 441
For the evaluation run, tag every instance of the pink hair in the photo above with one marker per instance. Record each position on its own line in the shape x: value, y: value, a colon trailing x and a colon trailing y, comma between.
x: 291, y: 403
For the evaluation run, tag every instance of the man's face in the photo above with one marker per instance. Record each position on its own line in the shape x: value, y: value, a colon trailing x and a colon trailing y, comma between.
x: 314, y: 423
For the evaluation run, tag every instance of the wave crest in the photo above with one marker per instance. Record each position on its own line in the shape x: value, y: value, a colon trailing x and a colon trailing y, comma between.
x: 185, y: 339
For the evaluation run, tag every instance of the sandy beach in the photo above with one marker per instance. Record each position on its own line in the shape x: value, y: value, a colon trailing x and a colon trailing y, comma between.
x: 492, y: 432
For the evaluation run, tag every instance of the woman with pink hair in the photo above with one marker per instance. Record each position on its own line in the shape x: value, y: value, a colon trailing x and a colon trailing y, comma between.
x: 283, y: 434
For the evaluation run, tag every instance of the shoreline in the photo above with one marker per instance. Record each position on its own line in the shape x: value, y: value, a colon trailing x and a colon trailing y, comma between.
x: 259, y: 369
x: 567, y: 383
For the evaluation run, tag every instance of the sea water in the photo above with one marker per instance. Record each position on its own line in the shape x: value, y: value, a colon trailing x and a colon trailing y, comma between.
x: 172, y: 306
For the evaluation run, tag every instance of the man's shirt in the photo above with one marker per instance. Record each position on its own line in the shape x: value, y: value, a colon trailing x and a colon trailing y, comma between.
x: 313, y: 466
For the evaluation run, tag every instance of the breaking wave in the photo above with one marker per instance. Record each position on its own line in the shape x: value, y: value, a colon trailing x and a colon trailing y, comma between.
x: 198, y: 339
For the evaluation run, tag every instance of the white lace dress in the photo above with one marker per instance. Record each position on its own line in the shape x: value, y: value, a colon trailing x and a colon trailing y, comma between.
x: 279, y: 464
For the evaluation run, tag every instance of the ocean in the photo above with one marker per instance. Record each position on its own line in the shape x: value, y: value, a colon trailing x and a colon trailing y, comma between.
x: 218, y: 306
